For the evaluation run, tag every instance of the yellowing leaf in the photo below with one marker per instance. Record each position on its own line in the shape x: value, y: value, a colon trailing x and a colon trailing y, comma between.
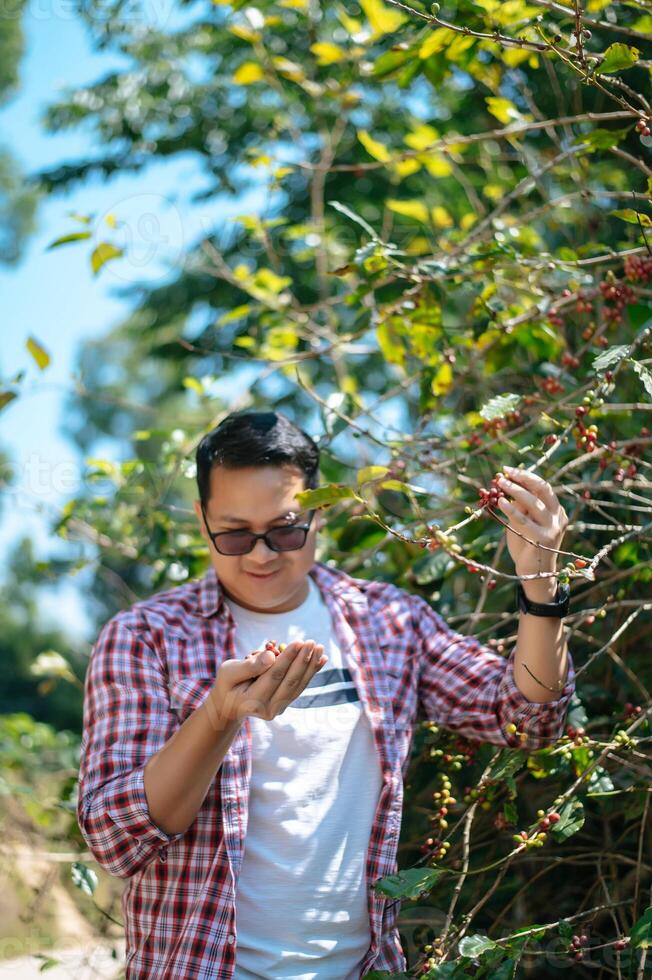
x: 504, y: 110
x: 409, y: 209
x: 248, y: 73
x: 436, y: 42
x: 459, y: 45
x: 468, y: 221
x: 441, y: 218
x: 268, y: 280
x: 422, y: 137
x: 436, y: 164
x: 245, y: 33
x: 373, y: 147
x: 39, y: 353
x: 595, y: 6
x: 327, y: 54
x: 383, y: 19
x: 290, y: 69
x: 493, y: 191
x: 368, y: 473
x: 294, y: 4
x: 403, y: 168
x: 349, y: 24
x: 102, y: 254
x: 194, y: 384
x: 443, y: 380
x: 6, y: 397
x: 419, y: 245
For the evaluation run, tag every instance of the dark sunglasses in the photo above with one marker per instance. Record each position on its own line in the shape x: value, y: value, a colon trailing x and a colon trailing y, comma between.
x: 287, y: 537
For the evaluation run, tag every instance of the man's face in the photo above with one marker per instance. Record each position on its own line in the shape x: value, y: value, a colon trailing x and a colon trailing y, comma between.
x: 259, y: 497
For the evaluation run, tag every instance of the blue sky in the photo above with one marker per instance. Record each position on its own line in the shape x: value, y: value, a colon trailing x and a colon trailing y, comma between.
x: 53, y: 295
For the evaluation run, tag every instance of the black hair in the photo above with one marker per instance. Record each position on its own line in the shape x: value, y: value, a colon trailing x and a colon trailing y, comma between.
x: 250, y: 438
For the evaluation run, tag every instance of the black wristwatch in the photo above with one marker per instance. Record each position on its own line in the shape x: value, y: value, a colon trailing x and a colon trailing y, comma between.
x: 558, y: 608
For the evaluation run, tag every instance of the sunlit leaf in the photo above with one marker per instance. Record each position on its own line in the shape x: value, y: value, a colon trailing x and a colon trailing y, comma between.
x: 374, y: 148
x: 73, y: 236
x: 617, y: 57
x: 383, y: 19
x: 104, y: 252
x: 38, y: 352
x: 248, y: 73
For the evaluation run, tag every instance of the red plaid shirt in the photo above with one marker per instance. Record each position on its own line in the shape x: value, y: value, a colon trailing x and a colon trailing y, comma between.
x: 154, y: 664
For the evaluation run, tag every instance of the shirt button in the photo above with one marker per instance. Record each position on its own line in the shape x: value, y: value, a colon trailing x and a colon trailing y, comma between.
x: 230, y: 940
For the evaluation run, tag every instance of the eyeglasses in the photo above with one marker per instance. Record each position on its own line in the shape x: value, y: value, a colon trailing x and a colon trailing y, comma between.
x: 284, y: 538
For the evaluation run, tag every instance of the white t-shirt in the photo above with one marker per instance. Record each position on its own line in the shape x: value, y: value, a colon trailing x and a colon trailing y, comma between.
x: 301, y: 895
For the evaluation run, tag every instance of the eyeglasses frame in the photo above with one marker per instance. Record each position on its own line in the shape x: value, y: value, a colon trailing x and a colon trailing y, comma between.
x: 216, y: 534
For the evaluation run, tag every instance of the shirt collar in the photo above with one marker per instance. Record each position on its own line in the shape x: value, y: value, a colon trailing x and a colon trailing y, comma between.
x: 327, y: 579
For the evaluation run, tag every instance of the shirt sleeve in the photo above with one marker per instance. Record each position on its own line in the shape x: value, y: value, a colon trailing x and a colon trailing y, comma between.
x: 127, y: 718
x: 466, y: 686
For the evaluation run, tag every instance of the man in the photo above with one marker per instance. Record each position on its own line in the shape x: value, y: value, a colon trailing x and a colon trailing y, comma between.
x: 252, y: 799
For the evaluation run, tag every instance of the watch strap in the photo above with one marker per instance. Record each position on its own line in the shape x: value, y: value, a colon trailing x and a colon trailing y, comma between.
x: 558, y: 608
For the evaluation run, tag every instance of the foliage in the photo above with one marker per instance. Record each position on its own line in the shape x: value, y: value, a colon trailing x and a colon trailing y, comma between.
x: 449, y: 272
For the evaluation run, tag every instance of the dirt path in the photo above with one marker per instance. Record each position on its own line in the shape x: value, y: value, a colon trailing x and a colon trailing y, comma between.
x: 90, y: 962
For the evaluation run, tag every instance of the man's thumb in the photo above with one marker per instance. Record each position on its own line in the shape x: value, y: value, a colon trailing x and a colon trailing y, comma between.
x: 259, y: 662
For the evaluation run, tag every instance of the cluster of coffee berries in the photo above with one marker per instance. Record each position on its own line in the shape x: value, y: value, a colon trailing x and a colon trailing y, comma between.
x: 643, y: 126
x: 547, y: 820
x: 551, y: 386
x: 577, y: 734
x: 477, y: 795
x: 436, y: 848
x: 582, y: 304
x: 622, y: 739
x: 443, y: 800
x: 569, y: 360
x: 490, y: 498
x: 493, y: 426
x: 620, y: 944
x: 632, y: 710
x: 524, y: 838
x: 585, y: 436
x: 616, y: 295
x: 516, y: 736
x: 276, y: 648
x: 576, y: 944
x: 638, y: 268
x: 434, y: 950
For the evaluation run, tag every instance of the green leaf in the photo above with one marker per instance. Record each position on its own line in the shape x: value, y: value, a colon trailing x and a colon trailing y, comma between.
x: 617, y: 57
x: 610, y: 356
x: 571, y: 818
x: 325, y: 496
x: 432, y: 567
x: 410, y: 883
x: 508, y: 763
x: 102, y: 254
x: 601, y: 139
x: 354, y: 217
x: 475, y: 946
x: 6, y: 397
x: 74, y: 236
x: 645, y: 375
x: 402, y: 487
x: 500, y: 406
x: 633, y: 217
x: 371, y: 473
x: 39, y: 353
x: 641, y: 934
x: 510, y: 812
x: 84, y: 877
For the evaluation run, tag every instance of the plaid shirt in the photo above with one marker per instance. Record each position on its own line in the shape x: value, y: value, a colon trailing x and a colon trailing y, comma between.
x: 154, y: 664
